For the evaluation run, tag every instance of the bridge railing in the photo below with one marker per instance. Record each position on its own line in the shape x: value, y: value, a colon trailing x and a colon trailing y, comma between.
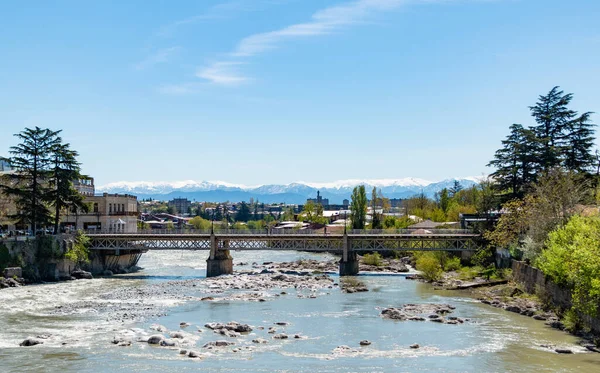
x: 274, y: 232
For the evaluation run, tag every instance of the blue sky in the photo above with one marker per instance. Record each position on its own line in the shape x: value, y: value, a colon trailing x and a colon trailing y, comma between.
x: 275, y: 91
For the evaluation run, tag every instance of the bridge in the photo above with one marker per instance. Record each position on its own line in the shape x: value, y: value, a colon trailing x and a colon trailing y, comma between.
x: 220, y: 242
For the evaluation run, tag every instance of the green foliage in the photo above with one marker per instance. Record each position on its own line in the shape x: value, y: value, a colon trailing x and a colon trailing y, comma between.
x: 572, y: 258
x: 393, y: 222
x: 31, y: 160
x: 484, y: 257
x: 373, y: 259
x: 79, y: 252
x: 358, y: 207
x: 198, y: 222
x: 170, y: 225
x: 561, y: 138
x: 240, y: 226
x: 453, y: 264
x: 572, y: 321
x: 469, y: 273
x: 257, y: 224
x: 142, y: 225
x: 244, y: 212
x: 430, y: 267
x: 47, y: 248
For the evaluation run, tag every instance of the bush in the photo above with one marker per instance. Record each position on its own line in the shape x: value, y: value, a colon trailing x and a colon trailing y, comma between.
x: 79, y: 253
x: 373, y: 259
x: 452, y: 264
x: 430, y: 267
x: 572, y: 259
x: 469, y: 273
x: 572, y: 321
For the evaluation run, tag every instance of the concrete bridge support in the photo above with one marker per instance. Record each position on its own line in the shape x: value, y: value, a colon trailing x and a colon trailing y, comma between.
x: 349, y: 261
x: 219, y: 262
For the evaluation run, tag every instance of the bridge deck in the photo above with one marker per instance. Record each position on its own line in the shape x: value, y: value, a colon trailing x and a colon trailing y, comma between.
x: 445, y: 240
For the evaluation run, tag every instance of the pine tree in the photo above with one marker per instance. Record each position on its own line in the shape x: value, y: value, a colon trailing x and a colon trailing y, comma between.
x: 244, y: 212
x: 64, y: 169
x: 31, y: 160
x: 515, y: 161
x: 579, y: 141
x: 553, y: 116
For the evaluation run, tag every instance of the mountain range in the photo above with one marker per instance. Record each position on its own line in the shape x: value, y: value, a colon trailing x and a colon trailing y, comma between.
x: 294, y: 193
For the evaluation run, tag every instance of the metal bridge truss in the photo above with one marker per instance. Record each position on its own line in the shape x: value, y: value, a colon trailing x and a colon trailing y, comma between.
x: 309, y: 242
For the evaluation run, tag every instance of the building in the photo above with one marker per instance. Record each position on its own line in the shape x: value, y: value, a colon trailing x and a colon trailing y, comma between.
x: 85, y: 186
x: 181, y: 205
x: 4, y: 166
x: 345, y: 203
x: 319, y: 200
x: 109, y: 212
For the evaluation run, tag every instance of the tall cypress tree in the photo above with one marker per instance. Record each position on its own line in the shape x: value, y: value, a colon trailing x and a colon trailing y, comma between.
x: 358, y: 207
x: 30, y: 161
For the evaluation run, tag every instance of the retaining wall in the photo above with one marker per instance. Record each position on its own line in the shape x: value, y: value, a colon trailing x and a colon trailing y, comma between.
x: 534, y: 281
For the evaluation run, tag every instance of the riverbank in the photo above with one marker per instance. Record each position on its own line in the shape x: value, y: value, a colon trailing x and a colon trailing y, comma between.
x: 510, y: 296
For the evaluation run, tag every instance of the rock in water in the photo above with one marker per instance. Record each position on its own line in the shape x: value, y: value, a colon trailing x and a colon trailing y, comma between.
x: 79, y: 274
x: 155, y: 339
x: 415, y: 346
x: 563, y: 351
x: 365, y: 342
x: 30, y: 342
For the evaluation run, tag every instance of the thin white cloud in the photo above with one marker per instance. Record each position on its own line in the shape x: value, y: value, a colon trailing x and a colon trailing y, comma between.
x: 224, y: 73
x: 158, y: 57
x: 324, y: 21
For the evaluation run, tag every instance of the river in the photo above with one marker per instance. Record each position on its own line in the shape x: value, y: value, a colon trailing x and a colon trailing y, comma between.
x: 78, y: 320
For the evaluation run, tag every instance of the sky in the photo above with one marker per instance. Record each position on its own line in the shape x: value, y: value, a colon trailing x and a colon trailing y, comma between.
x: 276, y: 91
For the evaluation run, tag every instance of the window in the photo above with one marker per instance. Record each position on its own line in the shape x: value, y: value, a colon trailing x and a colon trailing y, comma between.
x: 95, y: 207
x: 110, y: 208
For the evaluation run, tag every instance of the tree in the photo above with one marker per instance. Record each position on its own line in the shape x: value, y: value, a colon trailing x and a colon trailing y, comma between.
x: 456, y: 187
x: 552, y: 115
x: 444, y: 200
x: 64, y: 170
x: 572, y: 259
x: 515, y: 161
x: 579, y: 143
x: 79, y: 252
x: 30, y: 160
x: 358, y: 207
x: 376, y: 221
x: 244, y: 212
x: 198, y: 222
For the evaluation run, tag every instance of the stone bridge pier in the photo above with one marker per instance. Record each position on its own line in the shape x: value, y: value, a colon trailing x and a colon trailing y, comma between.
x: 349, y: 260
x: 219, y: 262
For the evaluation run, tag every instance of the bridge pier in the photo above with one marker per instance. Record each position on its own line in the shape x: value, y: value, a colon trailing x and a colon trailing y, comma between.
x: 219, y: 262
x: 349, y: 261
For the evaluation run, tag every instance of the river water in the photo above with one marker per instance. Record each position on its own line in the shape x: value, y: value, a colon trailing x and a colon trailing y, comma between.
x: 79, y: 319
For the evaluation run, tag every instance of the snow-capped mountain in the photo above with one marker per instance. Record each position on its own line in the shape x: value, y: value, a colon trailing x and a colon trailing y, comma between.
x: 336, y: 192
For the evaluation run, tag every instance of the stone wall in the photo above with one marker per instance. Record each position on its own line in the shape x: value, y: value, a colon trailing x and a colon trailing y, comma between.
x: 535, y: 282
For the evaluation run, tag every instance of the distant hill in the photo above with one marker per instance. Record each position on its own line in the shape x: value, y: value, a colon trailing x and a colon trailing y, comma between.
x: 294, y: 193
